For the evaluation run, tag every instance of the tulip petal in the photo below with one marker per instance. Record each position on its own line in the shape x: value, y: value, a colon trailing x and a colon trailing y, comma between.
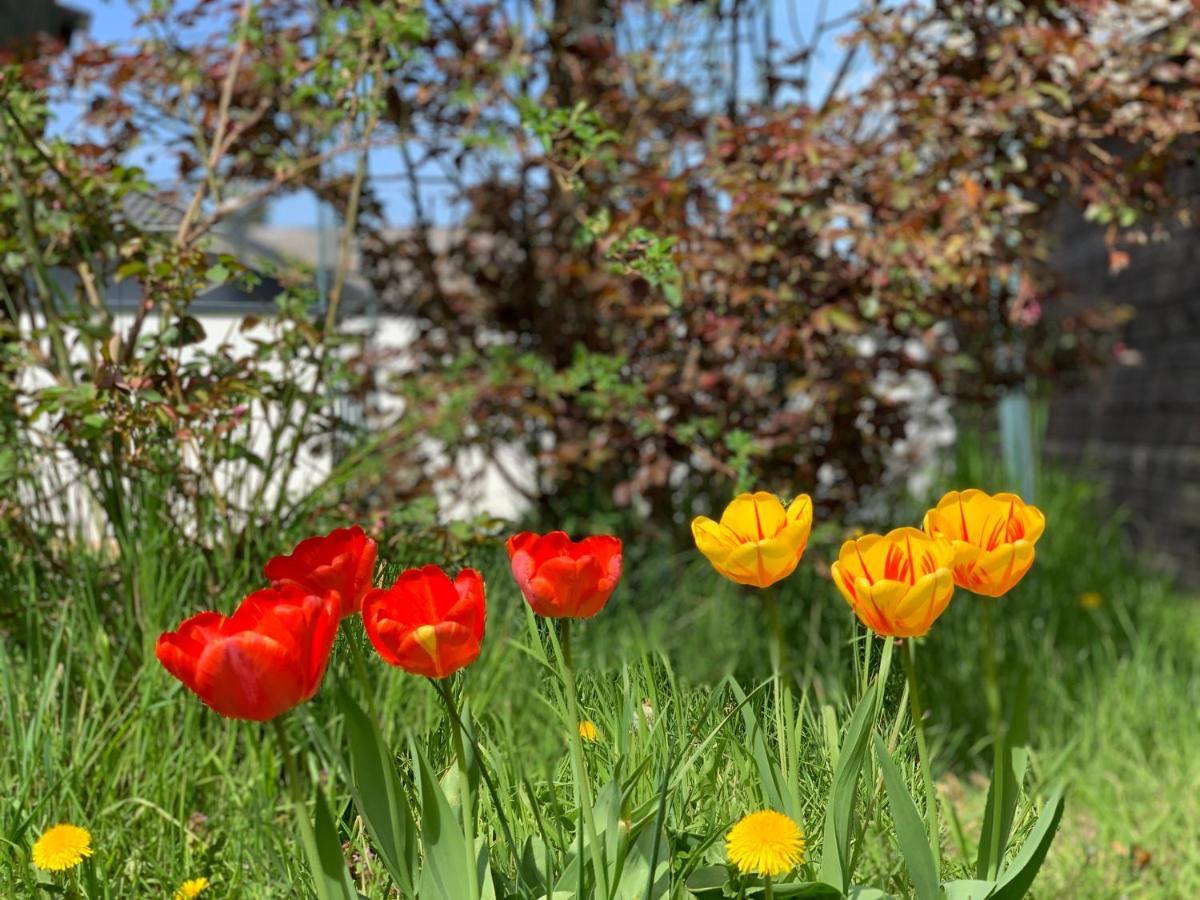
x: 873, y: 605
x: 779, y: 556
x: 342, y: 561
x: 753, y: 517
x: 712, y: 536
x: 1035, y: 523
x: 249, y: 676
x: 800, y: 512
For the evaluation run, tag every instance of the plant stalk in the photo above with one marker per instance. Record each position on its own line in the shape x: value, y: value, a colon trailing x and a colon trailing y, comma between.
x: 464, y: 780
x: 917, y: 711
x: 992, y: 689
x: 583, y: 788
x: 296, y: 790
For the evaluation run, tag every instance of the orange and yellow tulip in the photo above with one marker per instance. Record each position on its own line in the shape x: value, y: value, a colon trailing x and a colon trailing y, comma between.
x: 897, y: 583
x: 757, y: 542
x: 993, y: 538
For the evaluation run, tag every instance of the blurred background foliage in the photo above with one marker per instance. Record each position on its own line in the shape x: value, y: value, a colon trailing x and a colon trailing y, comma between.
x: 652, y: 293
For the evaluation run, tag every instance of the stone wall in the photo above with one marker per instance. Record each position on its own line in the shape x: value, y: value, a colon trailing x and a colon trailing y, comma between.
x: 1138, y: 426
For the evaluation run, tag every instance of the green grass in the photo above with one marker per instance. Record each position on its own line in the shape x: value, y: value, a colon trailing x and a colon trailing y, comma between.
x: 96, y: 733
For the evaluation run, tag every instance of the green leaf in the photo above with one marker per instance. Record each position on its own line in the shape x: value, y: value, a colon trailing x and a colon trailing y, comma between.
x: 444, y: 875
x: 329, y: 870
x: 379, y: 795
x: 607, y: 816
x: 636, y: 874
x: 533, y: 870
x: 183, y: 332
x: 1008, y: 776
x: 839, y: 811
x: 813, y: 890
x: 910, y: 829
x: 1018, y: 876
x: 483, y: 870
x: 968, y: 889
x: 708, y: 881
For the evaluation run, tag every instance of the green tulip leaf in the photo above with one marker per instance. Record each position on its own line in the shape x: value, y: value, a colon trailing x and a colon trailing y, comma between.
x: 445, y: 873
x: 839, y: 812
x: 1018, y: 875
x: 329, y: 870
x: 910, y: 829
x: 379, y: 796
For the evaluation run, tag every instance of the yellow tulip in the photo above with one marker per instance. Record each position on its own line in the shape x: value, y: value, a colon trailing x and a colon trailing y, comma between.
x: 757, y: 542
x: 993, y: 538
x: 898, y: 583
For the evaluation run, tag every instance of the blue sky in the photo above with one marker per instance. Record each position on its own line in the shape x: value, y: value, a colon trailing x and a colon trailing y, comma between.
x: 114, y: 21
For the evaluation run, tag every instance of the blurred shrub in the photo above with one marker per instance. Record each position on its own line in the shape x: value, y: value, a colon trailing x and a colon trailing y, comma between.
x: 129, y: 436
x: 659, y: 298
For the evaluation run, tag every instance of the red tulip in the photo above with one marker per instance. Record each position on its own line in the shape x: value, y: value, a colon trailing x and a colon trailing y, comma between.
x: 266, y: 658
x: 341, y: 561
x: 564, y: 578
x: 425, y: 623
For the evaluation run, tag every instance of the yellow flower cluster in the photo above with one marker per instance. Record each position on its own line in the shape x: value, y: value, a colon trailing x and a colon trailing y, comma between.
x: 897, y: 583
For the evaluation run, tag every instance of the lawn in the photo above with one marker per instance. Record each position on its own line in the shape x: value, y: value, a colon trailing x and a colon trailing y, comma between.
x: 99, y: 735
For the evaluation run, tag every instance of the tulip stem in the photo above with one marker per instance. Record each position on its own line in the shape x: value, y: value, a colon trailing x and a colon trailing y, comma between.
x: 564, y: 642
x: 998, y: 738
x: 917, y: 710
x: 483, y: 773
x: 771, y: 605
x: 464, y: 782
x: 583, y: 788
x: 296, y: 790
x: 868, y: 646
x: 782, y: 689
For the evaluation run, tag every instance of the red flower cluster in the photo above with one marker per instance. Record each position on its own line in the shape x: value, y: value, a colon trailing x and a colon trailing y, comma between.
x: 266, y: 658
x: 271, y: 654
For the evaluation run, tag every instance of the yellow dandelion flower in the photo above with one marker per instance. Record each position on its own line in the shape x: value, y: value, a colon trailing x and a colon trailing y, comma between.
x: 765, y: 843
x: 1090, y: 600
x: 62, y: 847
x: 193, y: 887
x: 588, y: 731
